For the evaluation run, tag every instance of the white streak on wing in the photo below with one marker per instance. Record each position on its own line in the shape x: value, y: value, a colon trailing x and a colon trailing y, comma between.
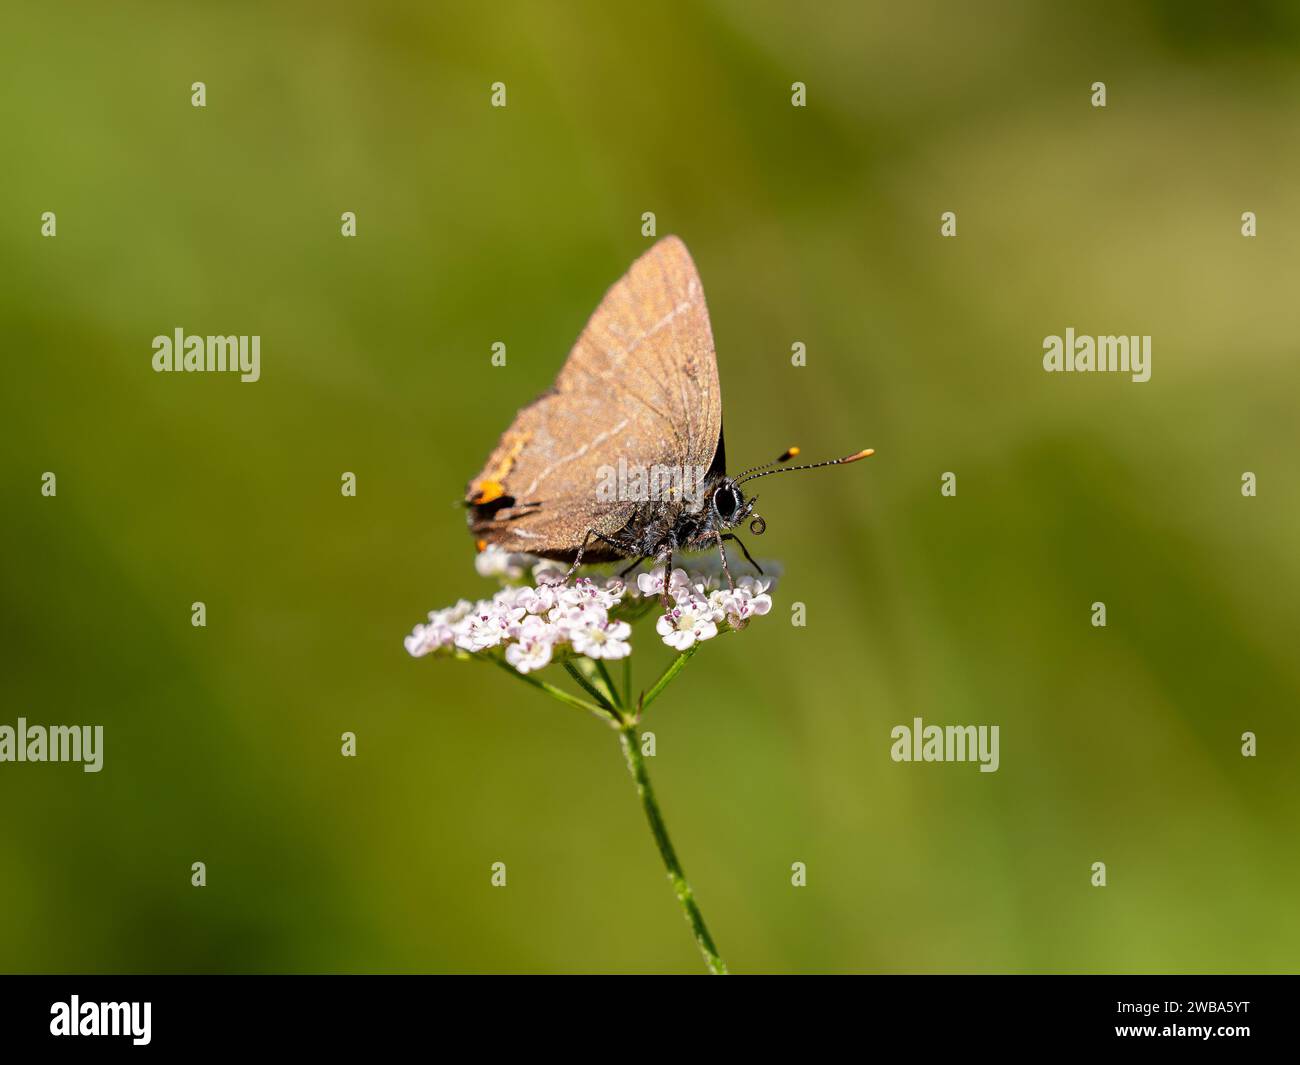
x: 598, y: 439
x: 663, y: 323
x: 616, y: 358
x: 619, y: 354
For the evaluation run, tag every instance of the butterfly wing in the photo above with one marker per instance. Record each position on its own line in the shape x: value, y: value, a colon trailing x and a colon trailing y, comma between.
x: 640, y: 384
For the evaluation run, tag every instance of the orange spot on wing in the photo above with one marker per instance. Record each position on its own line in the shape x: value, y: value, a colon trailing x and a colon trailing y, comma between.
x: 489, y: 486
x: 487, y: 491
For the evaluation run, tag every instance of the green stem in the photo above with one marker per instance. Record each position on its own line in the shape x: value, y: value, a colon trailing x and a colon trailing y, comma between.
x: 609, y: 684
x: 630, y: 741
x: 617, y: 710
x: 583, y: 682
x: 552, y: 690
x: 665, y: 678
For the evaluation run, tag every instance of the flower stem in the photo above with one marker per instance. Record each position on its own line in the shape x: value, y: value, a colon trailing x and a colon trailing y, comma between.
x: 585, y: 683
x: 674, y: 667
x: 552, y: 690
x: 631, y: 743
x: 618, y: 711
x: 610, y: 687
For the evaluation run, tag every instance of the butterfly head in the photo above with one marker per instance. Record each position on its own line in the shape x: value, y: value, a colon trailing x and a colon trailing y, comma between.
x: 728, y: 505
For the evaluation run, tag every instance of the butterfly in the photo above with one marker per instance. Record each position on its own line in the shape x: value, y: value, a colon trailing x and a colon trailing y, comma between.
x: 639, y: 392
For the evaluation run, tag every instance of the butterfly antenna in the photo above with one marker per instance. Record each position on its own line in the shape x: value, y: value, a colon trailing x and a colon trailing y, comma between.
x: 785, y: 456
x: 763, y: 471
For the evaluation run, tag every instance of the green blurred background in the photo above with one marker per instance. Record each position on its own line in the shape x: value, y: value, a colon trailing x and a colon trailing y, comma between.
x: 819, y: 225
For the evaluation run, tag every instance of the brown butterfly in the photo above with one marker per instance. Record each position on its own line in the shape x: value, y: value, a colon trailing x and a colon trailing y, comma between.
x: 574, y: 477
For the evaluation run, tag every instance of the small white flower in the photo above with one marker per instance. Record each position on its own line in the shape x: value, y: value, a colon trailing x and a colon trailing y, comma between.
x: 604, y: 640
x: 488, y: 626
x: 700, y: 584
x: 586, y: 591
x: 548, y: 571
x: 444, y: 623
x: 452, y: 614
x: 738, y: 606
x: 422, y: 641
x: 493, y: 561
x: 690, y: 620
x: 531, y: 652
x: 508, y: 597
x: 568, y: 618
x: 570, y: 595
x: 652, y: 583
x: 440, y: 631
x: 537, y: 600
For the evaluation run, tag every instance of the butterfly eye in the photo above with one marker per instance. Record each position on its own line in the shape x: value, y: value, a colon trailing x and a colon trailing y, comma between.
x: 726, y: 501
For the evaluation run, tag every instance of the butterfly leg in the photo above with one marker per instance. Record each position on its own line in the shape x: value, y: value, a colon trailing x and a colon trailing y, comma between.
x: 745, y: 551
x: 629, y: 569
x: 577, y: 559
x: 666, y: 600
x: 722, y: 554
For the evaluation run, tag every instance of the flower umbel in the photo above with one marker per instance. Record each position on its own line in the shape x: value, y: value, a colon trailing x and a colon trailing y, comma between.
x: 590, y: 618
x: 582, y: 626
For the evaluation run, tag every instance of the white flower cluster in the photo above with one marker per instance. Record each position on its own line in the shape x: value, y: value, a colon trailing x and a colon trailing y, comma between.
x: 533, y: 623
x: 699, y: 607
